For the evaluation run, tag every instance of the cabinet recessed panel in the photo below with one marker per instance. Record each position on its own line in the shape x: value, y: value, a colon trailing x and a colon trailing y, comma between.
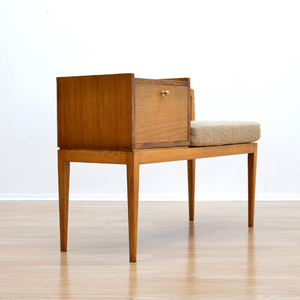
x: 161, y: 114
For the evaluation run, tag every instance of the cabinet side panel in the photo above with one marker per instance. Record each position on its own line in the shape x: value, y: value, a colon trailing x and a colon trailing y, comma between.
x: 94, y: 112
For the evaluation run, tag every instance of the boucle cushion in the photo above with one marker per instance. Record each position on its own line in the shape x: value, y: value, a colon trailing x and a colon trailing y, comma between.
x: 212, y: 133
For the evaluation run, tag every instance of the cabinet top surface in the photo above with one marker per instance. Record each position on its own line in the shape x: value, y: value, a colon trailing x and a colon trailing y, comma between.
x: 169, y: 81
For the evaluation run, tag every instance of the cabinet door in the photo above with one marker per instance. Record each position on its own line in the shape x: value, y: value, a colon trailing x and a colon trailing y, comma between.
x: 161, y: 115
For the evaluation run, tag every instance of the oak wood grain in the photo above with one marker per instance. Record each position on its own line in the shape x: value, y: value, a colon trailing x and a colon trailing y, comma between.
x: 161, y: 145
x: 148, y: 156
x: 63, y: 183
x: 191, y: 165
x: 161, y: 118
x: 252, y: 161
x: 95, y: 112
x: 173, y: 154
x: 172, y: 81
x: 95, y: 156
x: 192, y: 104
x: 133, y: 201
x: 121, y: 112
x: 178, y: 79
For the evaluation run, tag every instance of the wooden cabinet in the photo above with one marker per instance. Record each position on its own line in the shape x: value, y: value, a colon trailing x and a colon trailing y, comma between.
x: 120, y: 119
x: 122, y: 112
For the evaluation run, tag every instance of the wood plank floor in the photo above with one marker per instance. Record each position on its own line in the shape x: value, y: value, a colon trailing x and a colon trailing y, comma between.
x: 217, y: 257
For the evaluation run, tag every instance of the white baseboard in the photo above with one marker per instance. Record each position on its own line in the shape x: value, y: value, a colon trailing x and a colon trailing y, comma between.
x: 51, y: 197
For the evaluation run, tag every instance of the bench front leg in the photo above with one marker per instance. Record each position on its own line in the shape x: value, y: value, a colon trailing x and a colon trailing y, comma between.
x: 63, y: 188
x: 133, y: 168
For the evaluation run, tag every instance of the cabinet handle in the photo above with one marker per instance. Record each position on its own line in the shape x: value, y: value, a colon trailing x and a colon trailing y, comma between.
x: 165, y: 93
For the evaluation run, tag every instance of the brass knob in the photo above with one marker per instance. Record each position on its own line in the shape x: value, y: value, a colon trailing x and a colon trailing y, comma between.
x: 165, y: 93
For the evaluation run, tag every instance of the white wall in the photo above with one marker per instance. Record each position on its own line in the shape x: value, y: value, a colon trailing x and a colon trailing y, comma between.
x: 243, y: 58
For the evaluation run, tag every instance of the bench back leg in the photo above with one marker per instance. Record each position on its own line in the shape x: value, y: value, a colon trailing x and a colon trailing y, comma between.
x: 252, y: 160
x: 191, y: 183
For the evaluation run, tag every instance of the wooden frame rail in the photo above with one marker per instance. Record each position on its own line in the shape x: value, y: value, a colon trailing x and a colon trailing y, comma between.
x: 133, y: 159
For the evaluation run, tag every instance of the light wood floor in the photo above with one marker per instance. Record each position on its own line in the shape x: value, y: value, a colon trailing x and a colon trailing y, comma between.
x: 217, y: 257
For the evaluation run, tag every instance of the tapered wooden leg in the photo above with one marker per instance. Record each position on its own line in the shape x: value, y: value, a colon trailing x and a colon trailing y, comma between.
x: 191, y: 183
x: 63, y: 187
x: 133, y: 167
x: 252, y: 159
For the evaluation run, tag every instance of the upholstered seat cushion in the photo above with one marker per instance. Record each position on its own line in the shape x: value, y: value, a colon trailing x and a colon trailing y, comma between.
x: 211, y: 133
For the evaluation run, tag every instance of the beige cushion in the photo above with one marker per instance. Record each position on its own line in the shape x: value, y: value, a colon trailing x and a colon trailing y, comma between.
x: 210, y: 133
